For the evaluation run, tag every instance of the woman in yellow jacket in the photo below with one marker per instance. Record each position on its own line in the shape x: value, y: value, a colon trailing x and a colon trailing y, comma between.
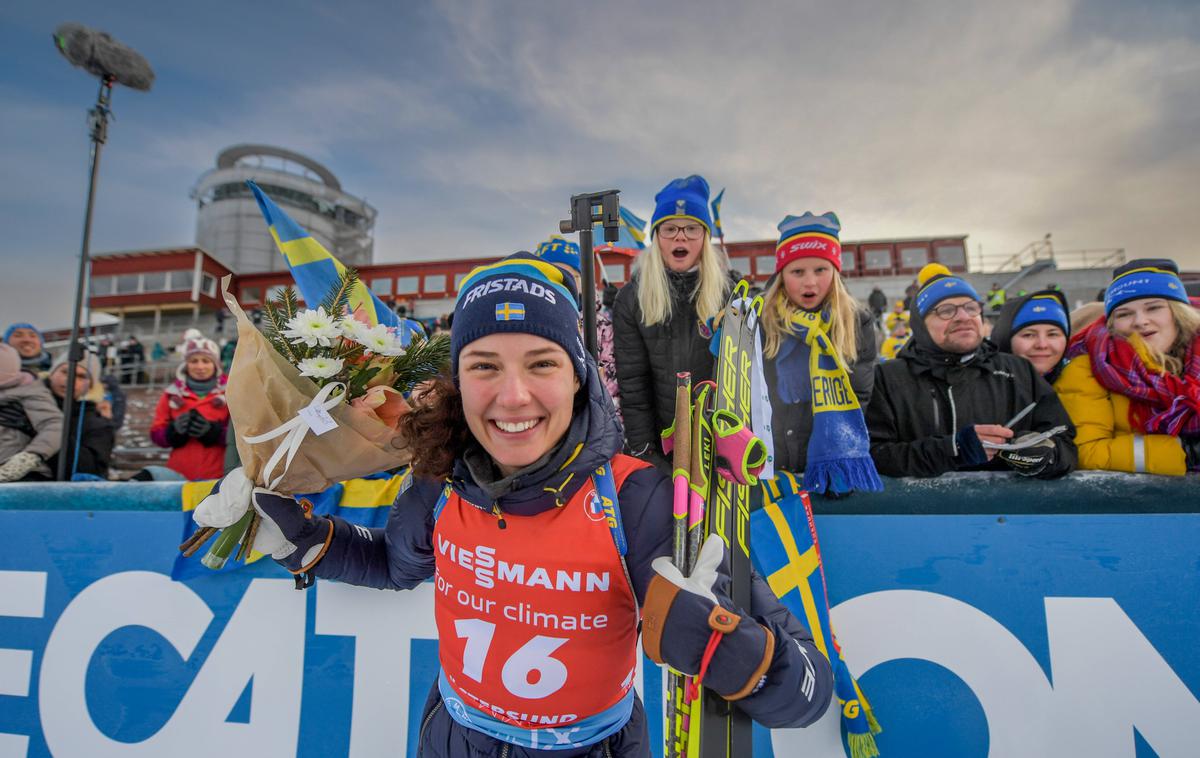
x: 1132, y: 386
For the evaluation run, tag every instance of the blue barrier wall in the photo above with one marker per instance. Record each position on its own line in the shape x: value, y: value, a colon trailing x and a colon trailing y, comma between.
x: 1003, y: 633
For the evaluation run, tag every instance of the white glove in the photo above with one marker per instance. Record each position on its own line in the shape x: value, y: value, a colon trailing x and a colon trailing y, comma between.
x: 704, y: 573
x: 19, y: 465
x: 229, y: 501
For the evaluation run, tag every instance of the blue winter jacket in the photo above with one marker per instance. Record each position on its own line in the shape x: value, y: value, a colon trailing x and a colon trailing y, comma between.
x: 401, y: 556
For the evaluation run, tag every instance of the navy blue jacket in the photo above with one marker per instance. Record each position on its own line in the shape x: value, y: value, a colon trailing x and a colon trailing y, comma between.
x: 401, y: 556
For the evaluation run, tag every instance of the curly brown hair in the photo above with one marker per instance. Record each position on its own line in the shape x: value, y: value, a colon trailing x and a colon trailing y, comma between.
x: 435, y: 429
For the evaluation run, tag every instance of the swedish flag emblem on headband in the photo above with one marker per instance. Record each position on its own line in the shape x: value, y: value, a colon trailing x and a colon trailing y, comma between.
x: 510, y: 312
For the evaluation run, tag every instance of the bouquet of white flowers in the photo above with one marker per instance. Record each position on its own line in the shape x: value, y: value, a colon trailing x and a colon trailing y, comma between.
x: 316, y: 398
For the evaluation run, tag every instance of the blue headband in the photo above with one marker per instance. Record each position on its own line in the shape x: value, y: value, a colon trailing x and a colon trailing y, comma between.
x: 1139, y: 283
x: 940, y: 288
x: 1041, y: 309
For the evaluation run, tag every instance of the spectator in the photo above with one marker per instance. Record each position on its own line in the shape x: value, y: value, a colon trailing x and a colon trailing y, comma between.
x: 89, y: 447
x: 909, y: 293
x: 950, y: 391
x: 191, y: 415
x: 661, y: 318
x: 565, y: 255
x: 899, y: 314
x: 819, y: 360
x: 28, y: 342
x: 996, y: 298
x: 877, y: 300
x: 1132, y: 385
x: 133, y: 361
x: 227, y: 351
x: 30, y: 423
x: 1035, y: 327
x: 895, y: 341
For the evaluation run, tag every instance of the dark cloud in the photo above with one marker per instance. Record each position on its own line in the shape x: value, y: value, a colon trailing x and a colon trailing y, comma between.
x: 469, y: 124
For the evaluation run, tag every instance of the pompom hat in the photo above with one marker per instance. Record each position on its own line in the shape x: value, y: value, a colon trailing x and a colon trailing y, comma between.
x: 809, y: 236
x: 936, y: 284
x: 685, y: 198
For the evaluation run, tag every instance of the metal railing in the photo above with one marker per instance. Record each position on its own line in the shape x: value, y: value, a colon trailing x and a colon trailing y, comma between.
x: 1043, y: 250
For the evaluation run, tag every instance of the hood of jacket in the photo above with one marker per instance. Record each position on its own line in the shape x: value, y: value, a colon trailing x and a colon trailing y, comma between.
x: 923, y: 356
x: 593, y: 437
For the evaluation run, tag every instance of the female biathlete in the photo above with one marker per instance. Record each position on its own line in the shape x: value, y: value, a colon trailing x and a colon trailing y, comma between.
x: 547, y: 548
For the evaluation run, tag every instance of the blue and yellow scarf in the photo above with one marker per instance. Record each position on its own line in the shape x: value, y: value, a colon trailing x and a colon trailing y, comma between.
x: 839, y: 449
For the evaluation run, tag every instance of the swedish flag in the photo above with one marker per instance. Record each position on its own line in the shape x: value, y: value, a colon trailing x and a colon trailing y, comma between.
x: 316, y: 270
x: 716, y: 215
x: 510, y: 312
x: 785, y: 551
x: 633, y: 235
x: 365, y: 502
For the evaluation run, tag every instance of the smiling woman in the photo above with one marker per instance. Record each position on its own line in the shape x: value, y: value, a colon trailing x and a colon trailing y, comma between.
x: 516, y: 510
x: 1133, y: 384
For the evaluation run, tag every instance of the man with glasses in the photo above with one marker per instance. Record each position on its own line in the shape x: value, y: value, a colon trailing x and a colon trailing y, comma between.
x: 950, y: 401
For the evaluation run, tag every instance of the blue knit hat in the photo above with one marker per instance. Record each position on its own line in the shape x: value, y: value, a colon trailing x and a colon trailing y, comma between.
x: 520, y: 293
x: 1145, y: 277
x: 1044, y: 307
x: 937, y: 284
x: 22, y: 325
x: 560, y: 251
x: 682, y: 198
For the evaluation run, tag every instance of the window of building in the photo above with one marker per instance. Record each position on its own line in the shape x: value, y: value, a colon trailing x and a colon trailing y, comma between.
x: 275, y: 291
x: 764, y: 265
x: 458, y: 280
x: 382, y: 287
x: 435, y: 283
x: 615, y: 273
x: 879, y: 259
x: 127, y: 284
x: 154, y: 281
x: 951, y: 255
x: 182, y: 280
x: 913, y: 257
x: 101, y: 285
x: 251, y: 295
x: 849, y: 260
x: 406, y: 285
x: 208, y: 285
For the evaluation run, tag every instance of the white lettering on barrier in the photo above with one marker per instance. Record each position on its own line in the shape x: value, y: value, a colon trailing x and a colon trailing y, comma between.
x: 1089, y: 711
x: 22, y: 595
x: 382, y: 625
x: 264, y: 639
x: 1109, y: 679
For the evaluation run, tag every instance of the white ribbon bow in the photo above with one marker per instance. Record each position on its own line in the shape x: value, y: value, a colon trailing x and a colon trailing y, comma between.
x: 296, y: 430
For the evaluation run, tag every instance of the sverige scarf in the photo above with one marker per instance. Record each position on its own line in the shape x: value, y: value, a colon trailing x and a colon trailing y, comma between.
x: 1160, y: 402
x: 809, y: 369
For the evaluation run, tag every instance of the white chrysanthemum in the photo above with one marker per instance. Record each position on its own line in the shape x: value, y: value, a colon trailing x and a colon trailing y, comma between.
x: 354, y: 329
x: 380, y: 340
x: 320, y: 367
x: 312, y: 328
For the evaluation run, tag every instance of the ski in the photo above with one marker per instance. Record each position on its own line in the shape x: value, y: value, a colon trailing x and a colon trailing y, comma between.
x: 724, y: 731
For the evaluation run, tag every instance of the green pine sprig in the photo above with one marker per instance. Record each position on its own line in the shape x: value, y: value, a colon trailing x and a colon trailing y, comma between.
x: 337, y: 300
x: 423, y: 359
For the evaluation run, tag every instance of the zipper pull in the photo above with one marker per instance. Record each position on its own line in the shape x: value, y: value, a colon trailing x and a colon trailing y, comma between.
x: 499, y: 516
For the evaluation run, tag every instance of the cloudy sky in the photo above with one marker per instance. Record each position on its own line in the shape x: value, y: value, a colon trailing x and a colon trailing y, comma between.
x: 468, y: 125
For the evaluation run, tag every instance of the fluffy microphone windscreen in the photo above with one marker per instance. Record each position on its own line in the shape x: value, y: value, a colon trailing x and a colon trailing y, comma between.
x: 100, y: 55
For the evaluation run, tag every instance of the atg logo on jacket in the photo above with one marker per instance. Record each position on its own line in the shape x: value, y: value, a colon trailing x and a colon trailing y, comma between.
x: 510, y: 284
